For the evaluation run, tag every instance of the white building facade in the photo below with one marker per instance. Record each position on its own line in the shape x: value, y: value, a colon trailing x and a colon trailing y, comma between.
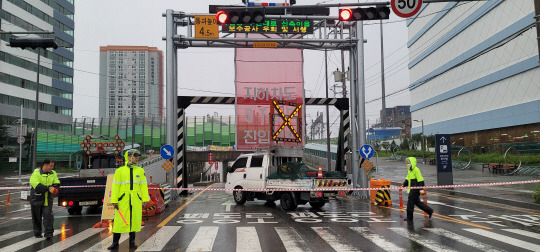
x: 131, y: 81
x: 18, y: 67
x: 474, y: 66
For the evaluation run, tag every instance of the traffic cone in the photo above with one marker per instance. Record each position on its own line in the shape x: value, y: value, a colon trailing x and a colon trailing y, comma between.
x: 319, y: 174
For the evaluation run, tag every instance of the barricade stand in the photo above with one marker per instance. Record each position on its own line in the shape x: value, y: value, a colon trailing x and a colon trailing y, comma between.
x: 380, y: 197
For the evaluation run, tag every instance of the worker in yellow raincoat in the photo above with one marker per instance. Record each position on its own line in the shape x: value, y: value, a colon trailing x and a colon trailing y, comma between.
x: 414, y: 178
x: 129, y: 192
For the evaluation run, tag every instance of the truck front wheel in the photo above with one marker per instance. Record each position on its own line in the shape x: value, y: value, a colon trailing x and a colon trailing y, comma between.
x: 287, y: 202
x: 239, y: 196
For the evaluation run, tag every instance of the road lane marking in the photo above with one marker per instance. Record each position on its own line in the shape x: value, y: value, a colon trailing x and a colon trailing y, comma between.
x: 72, y: 240
x: 377, y: 239
x: 334, y: 240
x: 430, y: 244
x: 165, y: 221
x: 159, y: 239
x: 27, y: 242
x: 463, y: 239
x: 104, y: 243
x: 505, y: 239
x: 247, y: 240
x: 204, y: 239
x: 447, y: 205
x: 292, y: 240
x: 524, y: 233
x: 441, y: 217
x: 486, y: 204
x: 12, y: 234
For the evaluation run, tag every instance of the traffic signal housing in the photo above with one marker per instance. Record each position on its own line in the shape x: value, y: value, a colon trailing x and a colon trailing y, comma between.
x: 32, y: 43
x: 246, y: 16
x: 371, y: 13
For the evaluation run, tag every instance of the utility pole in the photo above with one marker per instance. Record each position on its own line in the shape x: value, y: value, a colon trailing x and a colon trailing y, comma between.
x: 382, y: 80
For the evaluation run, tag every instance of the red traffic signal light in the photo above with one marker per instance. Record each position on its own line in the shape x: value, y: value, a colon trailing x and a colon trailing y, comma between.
x: 222, y: 17
x: 345, y: 14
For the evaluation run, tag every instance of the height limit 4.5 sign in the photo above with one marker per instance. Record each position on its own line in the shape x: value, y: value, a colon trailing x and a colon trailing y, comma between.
x: 406, y: 8
x: 206, y: 26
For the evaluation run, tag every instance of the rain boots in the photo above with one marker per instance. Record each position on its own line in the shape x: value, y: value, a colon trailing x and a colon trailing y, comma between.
x: 116, y: 240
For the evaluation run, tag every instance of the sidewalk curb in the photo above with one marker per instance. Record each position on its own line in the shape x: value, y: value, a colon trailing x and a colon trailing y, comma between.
x: 514, y: 203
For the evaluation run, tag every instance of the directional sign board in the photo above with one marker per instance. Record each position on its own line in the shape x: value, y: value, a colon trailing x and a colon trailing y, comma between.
x: 406, y: 8
x: 167, y: 151
x: 366, y: 151
x: 443, y: 151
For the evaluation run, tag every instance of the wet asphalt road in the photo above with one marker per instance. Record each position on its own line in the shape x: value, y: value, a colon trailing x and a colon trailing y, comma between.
x: 211, y: 221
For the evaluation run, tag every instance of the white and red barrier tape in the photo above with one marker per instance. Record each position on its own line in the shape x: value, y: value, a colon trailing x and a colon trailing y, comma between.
x: 315, y: 189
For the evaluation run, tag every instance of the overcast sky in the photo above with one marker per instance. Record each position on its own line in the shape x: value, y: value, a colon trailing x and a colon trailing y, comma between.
x: 210, y: 71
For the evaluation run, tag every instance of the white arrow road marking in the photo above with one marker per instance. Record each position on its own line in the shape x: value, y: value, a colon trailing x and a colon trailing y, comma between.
x: 291, y: 239
x: 228, y: 205
x: 247, y: 240
x: 524, y: 233
x: 12, y: 234
x: 431, y: 202
x: 378, y: 239
x: 158, y: 240
x: 203, y: 240
x: 104, y: 243
x: 463, y: 239
x: 73, y: 240
x: 25, y: 208
x: 334, y: 240
x: 505, y: 239
x: 430, y: 244
x: 27, y: 242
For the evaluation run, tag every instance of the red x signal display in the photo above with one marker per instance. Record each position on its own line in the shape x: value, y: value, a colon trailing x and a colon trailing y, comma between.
x: 287, y: 121
x: 90, y: 147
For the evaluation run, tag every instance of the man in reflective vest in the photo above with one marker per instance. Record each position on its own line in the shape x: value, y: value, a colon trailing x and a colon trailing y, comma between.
x: 129, y: 191
x: 45, y: 183
x: 414, y: 178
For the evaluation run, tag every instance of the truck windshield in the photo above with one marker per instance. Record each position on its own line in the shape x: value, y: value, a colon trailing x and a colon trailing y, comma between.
x: 240, y: 163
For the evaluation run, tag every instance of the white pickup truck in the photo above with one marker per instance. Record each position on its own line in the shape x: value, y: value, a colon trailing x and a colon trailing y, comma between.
x: 252, y: 171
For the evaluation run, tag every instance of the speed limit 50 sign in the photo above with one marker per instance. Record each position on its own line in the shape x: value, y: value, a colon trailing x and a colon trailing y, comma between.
x: 406, y: 8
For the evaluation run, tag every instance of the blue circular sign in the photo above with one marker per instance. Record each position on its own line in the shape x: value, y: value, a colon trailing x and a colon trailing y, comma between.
x: 366, y: 151
x: 167, y: 151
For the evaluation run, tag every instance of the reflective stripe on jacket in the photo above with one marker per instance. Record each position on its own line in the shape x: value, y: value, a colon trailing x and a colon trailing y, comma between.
x: 129, y: 190
x: 40, y: 182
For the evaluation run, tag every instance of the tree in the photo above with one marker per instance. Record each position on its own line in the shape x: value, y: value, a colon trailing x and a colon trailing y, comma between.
x: 4, y: 136
x: 405, y: 144
x: 416, y: 139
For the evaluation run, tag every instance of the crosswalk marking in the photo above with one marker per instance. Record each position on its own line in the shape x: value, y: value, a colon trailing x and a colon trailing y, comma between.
x: 73, y: 240
x: 247, y: 240
x: 104, y: 243
x: 524, y: 233
x: 12, y: 234
x: 335, y: 241
x: 463, y: 239
x: 377, y: 239
x: 204, y: 239
x: 25, y: 243
x: 505, y: 239
x: 158, y: 240
x: 291, y: 239
x: 421, y: 240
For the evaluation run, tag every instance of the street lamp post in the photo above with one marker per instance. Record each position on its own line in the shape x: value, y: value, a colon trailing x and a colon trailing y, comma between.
x: 423, y: 142
x: 34, y: 43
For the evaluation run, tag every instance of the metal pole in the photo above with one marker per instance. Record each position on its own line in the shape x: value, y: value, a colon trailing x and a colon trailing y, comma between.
x: 133, y: 121
x: 423, y: 144
x: 171, y: 90
x: 328, y: 154
x: 361, y: 99
x: 344, y: 75
x: 382, y: 80
x: 20, y: 144
x: 354, y: 135
x: 34, y: 156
